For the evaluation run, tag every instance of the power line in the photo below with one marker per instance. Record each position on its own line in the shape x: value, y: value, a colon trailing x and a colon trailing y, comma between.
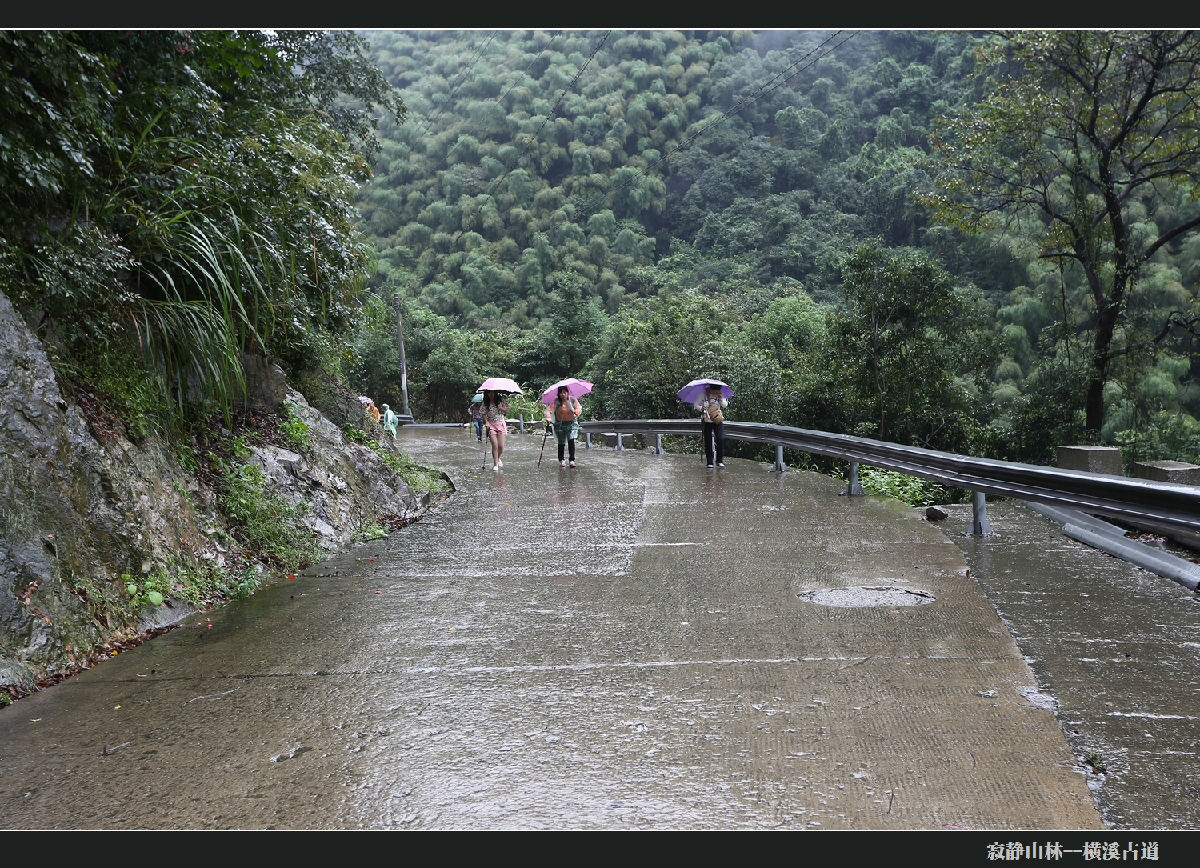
x: 571, y: 86
x: 554, y: 109
x: 462, y: 77
x: 545, y: 50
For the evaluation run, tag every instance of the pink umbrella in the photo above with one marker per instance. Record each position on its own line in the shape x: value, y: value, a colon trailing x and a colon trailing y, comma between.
x: 575, y: 388
x: 690, y: 393
x: 500, y: 384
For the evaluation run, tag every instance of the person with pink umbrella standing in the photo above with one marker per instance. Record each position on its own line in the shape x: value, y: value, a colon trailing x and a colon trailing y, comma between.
x: 563, y: 416
x: 495, y: 412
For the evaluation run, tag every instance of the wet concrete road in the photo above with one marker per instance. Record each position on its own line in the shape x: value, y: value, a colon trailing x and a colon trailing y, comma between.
x: 1117, y: 650
x: 637, y: 643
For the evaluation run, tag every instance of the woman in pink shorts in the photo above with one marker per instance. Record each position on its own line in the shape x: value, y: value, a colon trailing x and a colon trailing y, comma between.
x: 495, y: 416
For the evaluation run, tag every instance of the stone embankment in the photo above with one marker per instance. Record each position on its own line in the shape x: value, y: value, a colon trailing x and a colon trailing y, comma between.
x: 85, y: 511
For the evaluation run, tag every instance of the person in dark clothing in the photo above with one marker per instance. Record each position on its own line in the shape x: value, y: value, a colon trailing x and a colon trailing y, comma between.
x: 711, y: 406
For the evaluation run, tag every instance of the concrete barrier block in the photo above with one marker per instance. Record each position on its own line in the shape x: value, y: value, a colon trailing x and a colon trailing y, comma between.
x: 1094, y: 459
x: 1168, y: 471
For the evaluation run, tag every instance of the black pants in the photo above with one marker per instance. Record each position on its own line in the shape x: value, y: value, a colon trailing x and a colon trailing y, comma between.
x: 714, y: 440
x: 570, y: 447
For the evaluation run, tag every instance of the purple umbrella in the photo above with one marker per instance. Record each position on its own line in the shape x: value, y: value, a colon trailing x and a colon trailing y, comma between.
x: 575, y: 388
x: 691, y: 393
x: 500, y: 384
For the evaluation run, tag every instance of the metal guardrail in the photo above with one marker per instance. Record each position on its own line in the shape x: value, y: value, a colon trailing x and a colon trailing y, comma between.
x: 1165, y: 506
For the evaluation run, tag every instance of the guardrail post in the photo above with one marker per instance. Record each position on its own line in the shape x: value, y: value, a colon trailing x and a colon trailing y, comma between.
x: 587, y: 439
x: 979, y: 519
x: 521, y: 423
x: 779, y: 465
x: 853, y: 489
x: 658, y: 450
x: 620, y: 448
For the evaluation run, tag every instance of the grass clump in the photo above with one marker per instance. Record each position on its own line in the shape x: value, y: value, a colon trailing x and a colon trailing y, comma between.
x: 370, y: 532
x: 913, y: 490
x: 417, y: 477
x: 149, y: 591
x: 355, y: 434
x: 263, y: 521
x: 294, y: 430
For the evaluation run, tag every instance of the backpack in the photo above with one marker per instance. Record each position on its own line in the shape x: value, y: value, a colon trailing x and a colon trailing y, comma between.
x: 714, y: 412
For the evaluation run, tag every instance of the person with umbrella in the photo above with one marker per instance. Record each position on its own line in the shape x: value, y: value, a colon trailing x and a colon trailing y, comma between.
x: 562, y: 416
x: 711, y: 404
x: 369, y: 409
x: 495, y: 412
x: 475, y: 410
x: 495, y: 417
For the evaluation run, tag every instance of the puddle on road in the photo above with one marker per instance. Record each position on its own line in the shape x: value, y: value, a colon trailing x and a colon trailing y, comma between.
x: 877, y: 596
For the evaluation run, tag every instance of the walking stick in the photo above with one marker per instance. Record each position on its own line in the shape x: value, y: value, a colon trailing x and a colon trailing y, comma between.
x: 543, y: 449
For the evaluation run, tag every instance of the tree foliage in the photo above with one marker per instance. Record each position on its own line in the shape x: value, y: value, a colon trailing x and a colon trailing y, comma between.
x: 747, y: 166
x: 913, y: 348
x: 1082, y: 139
x: 189, y: 193
x: 560, y: 203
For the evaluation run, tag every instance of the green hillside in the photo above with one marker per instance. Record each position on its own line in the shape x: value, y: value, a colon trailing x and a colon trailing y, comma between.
x: 644, y: 207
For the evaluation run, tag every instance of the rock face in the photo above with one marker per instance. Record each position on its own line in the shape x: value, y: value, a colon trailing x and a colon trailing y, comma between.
x: 339, y: 486
x: 80, y: 516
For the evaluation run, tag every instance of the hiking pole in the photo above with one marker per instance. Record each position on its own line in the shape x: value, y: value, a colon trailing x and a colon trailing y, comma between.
x: 544, y: 436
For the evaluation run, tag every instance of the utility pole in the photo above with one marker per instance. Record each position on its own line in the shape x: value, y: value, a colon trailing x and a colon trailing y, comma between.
x: 405, y: 414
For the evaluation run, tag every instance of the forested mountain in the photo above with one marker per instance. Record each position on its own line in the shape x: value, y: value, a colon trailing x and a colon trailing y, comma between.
x: 641, y: 208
